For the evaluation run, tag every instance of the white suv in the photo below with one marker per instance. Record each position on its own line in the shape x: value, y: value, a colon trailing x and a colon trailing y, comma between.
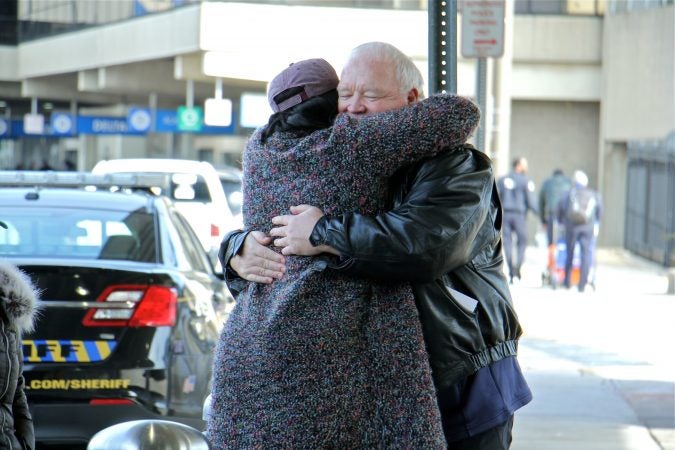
x: 195, y: 189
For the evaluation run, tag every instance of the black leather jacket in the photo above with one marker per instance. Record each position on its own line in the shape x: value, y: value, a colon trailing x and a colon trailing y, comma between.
x: 444, y: 236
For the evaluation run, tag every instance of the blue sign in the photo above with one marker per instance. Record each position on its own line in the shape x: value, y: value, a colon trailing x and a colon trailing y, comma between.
x: 62, y: 124
x: 104, y: 125
x: 166, y: 122
x: 139, y: 119
x: 5, y: 127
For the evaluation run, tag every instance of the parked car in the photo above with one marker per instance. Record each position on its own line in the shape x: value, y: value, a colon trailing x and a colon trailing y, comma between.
x: 195, y: 188
x: 132, y: 306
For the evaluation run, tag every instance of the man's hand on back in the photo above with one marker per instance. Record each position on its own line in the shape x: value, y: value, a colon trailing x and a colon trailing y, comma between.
x: 256, y: 262
x: 293, y: 231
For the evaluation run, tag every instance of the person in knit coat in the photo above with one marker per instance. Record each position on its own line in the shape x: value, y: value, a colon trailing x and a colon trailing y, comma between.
x: 18, y: 306
x: 319, y: 359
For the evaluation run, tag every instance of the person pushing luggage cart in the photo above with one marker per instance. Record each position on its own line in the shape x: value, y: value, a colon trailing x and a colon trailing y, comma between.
x: 579, y: 213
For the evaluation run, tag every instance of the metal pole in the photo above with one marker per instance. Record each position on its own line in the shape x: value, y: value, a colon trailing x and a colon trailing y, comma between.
x: 481, y: 99
x: 442, y: 15
x: 451, y: 47
x: 189, y: 93
x: 152, y: 103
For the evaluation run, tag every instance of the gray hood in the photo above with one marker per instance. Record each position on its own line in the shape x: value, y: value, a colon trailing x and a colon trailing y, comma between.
x: 18, y: 296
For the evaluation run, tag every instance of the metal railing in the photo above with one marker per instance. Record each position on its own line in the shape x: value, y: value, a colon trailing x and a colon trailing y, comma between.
x: 650, y: 200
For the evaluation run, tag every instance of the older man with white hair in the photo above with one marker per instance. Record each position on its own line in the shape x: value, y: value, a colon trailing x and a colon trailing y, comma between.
x: 580, y: 211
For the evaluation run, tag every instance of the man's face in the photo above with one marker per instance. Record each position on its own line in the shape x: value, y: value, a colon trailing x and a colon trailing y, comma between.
x: 368, y: 87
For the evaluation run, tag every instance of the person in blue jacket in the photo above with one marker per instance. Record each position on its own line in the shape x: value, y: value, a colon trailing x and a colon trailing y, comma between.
x: 517, y: 193
x: 580, y: 211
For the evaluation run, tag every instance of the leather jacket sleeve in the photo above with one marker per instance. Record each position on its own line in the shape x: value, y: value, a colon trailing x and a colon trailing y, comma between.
x: 430, y: 232
x: 230, y: 246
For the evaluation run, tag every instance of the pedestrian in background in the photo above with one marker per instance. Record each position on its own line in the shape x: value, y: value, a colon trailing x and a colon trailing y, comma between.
x: 553, y: 189
x: 517, y: 193
x: 580, y: 211
x: 18, y: 306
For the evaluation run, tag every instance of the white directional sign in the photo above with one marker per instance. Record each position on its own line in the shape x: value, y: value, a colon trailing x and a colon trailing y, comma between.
x: 218, y: 112
x: 483, y: 28
x: 33, y: 123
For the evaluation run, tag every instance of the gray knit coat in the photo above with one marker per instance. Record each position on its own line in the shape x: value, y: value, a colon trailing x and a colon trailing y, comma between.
x: 320, y: 360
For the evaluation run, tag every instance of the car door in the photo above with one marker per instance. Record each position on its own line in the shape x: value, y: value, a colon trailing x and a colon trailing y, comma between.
x: 198, y: 322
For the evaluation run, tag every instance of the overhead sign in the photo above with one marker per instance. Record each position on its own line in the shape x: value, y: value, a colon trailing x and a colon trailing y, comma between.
x: 218, y: 111
x: 254, y: 110
x: 166, y: 122
x: 62, y: 124
x: 189, y: 119
x: 483, y: 28
x: 104, y: 125
x: 33, y: 123
x: 139, y: 119
x: 5, y: 127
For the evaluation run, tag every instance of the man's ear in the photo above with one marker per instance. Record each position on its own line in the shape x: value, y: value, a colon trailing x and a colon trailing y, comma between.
x: 413, y: 95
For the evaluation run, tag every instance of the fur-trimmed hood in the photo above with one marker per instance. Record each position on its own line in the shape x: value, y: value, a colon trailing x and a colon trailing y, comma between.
x: 18, y: 296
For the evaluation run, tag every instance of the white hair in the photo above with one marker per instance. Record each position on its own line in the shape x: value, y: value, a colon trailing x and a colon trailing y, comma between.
x: 407, y: 73
x: 580, y: 178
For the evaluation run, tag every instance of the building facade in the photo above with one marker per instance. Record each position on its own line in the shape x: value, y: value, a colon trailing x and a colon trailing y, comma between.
x: 577, y: 82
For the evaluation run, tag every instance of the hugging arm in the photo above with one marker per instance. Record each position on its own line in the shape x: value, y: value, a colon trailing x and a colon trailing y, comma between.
x: 245, y: 256
x: 435, y: 228
x: 379, y: 144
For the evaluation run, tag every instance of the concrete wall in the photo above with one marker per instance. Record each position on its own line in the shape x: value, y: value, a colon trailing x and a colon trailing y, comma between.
x: 639, y: 74
x: 139, y: 39
x: 554, y: 135
x: 540, y: 39
x: 638, y: 100
x: 9, y: 58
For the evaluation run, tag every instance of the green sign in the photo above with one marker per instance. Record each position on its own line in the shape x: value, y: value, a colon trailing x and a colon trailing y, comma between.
x: 190, y: 119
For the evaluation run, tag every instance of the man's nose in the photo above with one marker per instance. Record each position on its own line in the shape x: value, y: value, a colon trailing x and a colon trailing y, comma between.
x: 356, y: 106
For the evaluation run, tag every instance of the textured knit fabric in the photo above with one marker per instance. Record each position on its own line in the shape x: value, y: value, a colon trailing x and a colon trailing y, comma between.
x: 318, y: 359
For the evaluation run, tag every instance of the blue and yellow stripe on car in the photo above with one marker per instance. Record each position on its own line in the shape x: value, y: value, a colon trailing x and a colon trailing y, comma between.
x: 66, y: 350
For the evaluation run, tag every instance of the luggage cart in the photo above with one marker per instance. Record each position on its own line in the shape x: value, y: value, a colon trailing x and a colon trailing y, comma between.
x: 554, y: 274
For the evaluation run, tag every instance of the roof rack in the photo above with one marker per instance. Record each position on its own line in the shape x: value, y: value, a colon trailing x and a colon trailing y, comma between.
x: 38, y: 178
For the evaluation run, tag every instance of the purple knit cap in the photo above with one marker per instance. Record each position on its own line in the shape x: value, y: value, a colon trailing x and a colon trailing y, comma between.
x: 316, y: 75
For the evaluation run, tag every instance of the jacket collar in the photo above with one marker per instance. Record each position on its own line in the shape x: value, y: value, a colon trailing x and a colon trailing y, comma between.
x: 18, y: 297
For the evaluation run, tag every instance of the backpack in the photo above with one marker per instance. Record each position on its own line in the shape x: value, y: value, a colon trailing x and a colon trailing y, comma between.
x: 581, y: 209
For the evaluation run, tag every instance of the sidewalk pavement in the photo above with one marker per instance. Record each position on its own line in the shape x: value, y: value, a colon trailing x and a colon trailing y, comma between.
x: 598, y: 379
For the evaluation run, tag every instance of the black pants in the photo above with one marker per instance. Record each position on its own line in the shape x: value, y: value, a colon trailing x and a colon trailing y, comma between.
x: 497, y: 438
x: 514, y: 223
